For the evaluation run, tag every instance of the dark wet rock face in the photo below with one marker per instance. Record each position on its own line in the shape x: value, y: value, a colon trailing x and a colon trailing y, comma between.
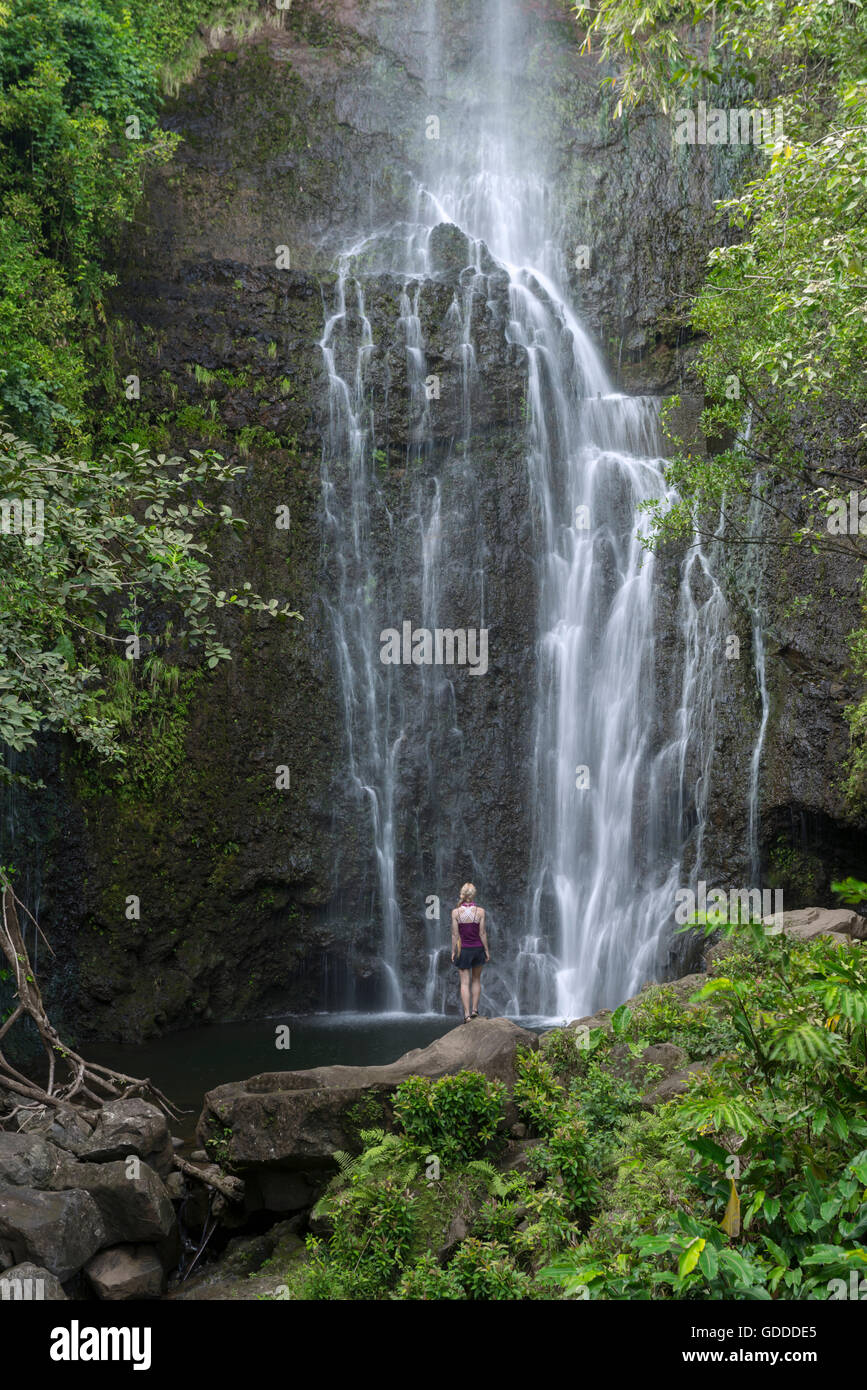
x: 254, y: 897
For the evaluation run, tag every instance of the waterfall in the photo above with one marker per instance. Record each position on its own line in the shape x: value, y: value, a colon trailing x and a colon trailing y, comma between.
x: 619, y: 803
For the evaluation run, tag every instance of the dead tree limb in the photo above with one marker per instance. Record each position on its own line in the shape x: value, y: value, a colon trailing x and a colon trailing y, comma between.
x: 230, y: 1188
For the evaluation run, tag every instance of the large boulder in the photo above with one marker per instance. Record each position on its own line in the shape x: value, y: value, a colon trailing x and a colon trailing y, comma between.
x: 821, y: 921
x: 125, y: 1127
x: 31, y: 1283
x: 57, y: 1230
x: 297, y: 1119
x: 673, y: 1085
x: 126, y: 1271
x: 133, y: 1202
x: 840, y: 924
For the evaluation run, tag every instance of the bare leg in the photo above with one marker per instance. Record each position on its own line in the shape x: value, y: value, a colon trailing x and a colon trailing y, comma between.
x: 477, y: 987
x: 465, y: 991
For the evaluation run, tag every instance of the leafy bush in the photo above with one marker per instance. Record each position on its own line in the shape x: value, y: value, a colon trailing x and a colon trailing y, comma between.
x: 455, y: 1118
x: 427, y: 1279
x: 660, y: 1016
x: 769, y: 1133
x: 485, y: 1270
x: 126, y: 529
x: 540, y: 1098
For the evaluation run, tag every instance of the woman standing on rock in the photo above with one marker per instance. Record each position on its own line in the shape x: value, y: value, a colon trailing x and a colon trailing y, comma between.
x: 469, y: 947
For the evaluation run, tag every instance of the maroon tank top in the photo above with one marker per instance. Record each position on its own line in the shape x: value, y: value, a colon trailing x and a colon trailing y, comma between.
x: 469, y: 931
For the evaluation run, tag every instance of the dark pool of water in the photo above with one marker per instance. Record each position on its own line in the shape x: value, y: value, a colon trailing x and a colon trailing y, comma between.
x: 187, y: 1064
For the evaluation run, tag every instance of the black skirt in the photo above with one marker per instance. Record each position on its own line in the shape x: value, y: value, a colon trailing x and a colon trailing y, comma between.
x: 469, y: 956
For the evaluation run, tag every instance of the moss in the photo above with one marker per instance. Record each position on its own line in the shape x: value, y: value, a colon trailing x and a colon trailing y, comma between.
x: 799, y: 874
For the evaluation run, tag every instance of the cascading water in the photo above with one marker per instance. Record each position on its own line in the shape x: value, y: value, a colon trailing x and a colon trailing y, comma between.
x: 614, y: 799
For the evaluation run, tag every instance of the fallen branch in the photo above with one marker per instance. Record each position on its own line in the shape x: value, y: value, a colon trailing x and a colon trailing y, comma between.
x: 230, y: 1188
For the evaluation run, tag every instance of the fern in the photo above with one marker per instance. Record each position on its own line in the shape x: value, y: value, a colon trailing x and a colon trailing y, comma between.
x: 381, y: 1151
x: 803, y: 1042
x: 372, y: 1137
x: 496, y: 1183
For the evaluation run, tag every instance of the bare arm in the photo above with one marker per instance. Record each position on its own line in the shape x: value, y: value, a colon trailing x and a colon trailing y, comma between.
x: 482, y: 933
x: 456, y: 940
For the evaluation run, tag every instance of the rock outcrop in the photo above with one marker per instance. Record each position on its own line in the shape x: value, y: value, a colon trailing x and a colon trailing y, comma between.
x: 296, y: 1120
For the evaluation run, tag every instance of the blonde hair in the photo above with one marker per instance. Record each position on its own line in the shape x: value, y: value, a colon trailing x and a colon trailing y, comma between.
x: 468, y: 892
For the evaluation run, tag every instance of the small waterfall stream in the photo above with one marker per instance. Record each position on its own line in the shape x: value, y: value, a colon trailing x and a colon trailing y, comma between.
x: 618, y: 791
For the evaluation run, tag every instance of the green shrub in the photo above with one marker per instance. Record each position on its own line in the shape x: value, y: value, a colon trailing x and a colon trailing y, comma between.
x: 485, y: 1270
x: 540, y: 1098
x: 427, y: 1279
x: 455, y: 1118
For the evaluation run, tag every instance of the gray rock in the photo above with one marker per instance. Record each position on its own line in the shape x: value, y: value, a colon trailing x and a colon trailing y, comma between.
x: 132, y: 1208
x: 819, y: 921
x: 176, y: 1186
x: 666, y: 1055
x: 675, y: 1085
x: 275, y: 1190
x: 126, y: 1271
x: 31, y: 1282
x: 457, y: 1231
x: 70, y: 1129
x: 28, y: 1160
x: 57, y: 1230
x: 517, y: 1156
x: 126, y: 1127
x: 601, y: 1019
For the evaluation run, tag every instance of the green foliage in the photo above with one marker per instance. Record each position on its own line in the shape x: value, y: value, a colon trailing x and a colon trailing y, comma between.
x: 81, y: 84
x: 604, y: 1100
x: 383, y: 1208
x: 382, y: 1154
x: 850, y: 890
x: 621, y: 1203
x: 456, y: 1117
x: 567, y: 1052
x: 565, y: 1156
x: 427, y: 1279
x: 73, y: 78
x: 540, y: 1098
x: 104, y: 543
x: 660, y: 1016
x: 484, y: 1270
x: 776, y: 1122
